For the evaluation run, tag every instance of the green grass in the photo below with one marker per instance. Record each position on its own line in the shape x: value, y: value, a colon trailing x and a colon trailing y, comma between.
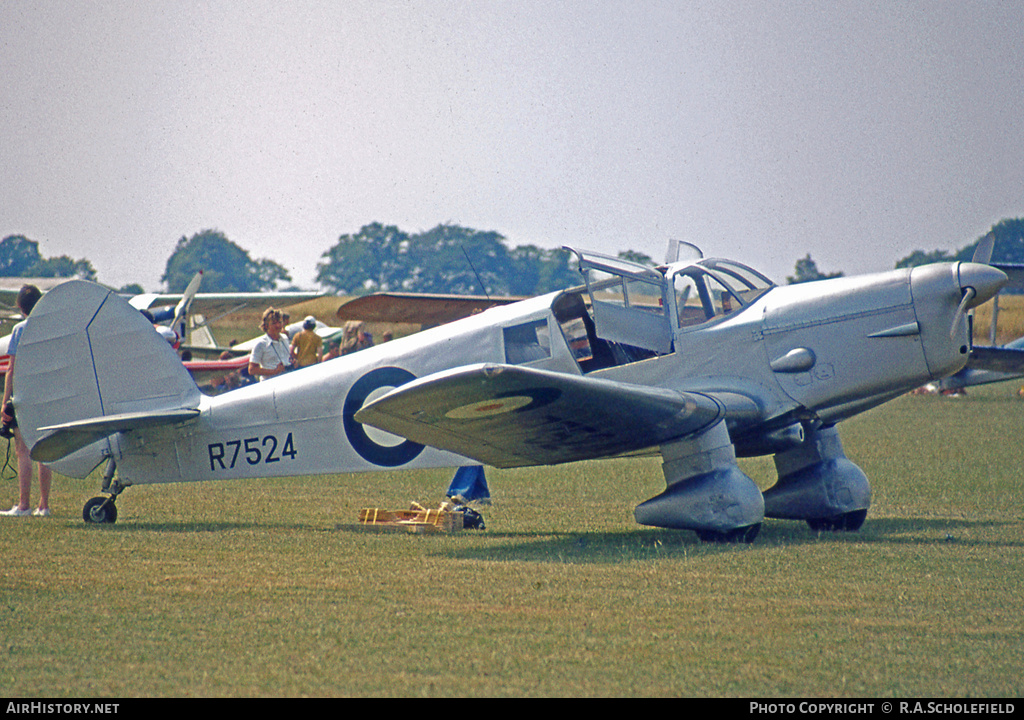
x: 264, y: 588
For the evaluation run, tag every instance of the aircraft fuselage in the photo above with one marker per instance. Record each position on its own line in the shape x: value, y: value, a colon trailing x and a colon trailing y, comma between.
x: 825, y: 350
x: 697, y: 362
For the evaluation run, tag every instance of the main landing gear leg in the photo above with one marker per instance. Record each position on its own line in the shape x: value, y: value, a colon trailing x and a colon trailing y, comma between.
x: 102, y: 509
x: 707, y: 492
x: 820, y: 485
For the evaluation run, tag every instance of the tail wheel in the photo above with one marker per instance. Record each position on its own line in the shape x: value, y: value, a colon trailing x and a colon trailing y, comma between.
x: 100, y: 510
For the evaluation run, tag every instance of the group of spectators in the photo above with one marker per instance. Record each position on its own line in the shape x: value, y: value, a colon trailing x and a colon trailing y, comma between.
x: 285, y: 347
x: 276, y: 353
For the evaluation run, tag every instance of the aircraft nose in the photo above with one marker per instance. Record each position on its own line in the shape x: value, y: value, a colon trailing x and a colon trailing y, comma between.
x: 985, y: 280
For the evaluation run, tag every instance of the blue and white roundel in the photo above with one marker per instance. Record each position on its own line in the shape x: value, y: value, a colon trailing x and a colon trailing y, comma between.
x: 377, y: 446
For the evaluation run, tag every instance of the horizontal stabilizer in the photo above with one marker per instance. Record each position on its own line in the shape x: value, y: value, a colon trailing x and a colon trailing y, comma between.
x: 511, y: 416
x: 58, y: 441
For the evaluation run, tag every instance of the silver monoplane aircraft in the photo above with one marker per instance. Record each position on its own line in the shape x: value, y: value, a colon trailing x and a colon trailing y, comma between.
x: 699, y: 362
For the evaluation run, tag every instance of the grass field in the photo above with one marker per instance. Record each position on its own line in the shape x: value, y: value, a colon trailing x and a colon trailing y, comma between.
x: 264, y: 588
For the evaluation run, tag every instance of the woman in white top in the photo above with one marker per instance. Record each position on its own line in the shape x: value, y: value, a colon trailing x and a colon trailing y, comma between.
x: 271, y: 355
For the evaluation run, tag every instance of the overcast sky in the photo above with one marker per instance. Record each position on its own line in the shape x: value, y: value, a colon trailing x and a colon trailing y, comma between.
x: 762, y: 131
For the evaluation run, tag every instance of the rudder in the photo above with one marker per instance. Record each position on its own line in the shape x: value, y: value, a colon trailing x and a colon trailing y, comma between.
x: 85, y: 353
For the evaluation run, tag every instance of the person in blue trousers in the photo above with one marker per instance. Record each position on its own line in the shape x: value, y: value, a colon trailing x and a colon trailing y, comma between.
x: 470, y: 485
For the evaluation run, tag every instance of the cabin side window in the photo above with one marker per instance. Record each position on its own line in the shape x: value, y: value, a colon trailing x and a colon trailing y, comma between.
x: 527, y: 342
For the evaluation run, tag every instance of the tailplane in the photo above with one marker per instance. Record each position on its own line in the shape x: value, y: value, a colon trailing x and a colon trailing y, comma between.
x: 90, y: 365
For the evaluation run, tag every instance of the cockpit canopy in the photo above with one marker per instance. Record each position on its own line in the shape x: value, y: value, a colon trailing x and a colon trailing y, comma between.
x: 713, y: 288
x: 643, y: 307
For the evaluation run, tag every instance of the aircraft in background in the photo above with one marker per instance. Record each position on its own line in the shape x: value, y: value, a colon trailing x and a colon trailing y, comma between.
x: 424, y: 309
x: 192, y: 315
x: 699, y: 361
x: 208, y: 308
x: 189, y: 314
x: 172, y: 317
x: 10, y: 286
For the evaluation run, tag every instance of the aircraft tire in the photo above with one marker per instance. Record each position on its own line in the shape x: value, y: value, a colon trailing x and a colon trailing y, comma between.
x: 100, y: 510
x: 847, y: 522
x: 744, y: 534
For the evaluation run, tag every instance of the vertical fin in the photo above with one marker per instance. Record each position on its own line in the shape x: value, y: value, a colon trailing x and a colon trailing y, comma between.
x: 86, y: 353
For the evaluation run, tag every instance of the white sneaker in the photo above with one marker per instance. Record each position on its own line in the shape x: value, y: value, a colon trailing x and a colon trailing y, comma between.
x: 15, y: 512
x: 40, y: 512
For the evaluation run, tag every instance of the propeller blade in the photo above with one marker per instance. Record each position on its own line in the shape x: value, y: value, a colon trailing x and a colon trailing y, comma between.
x: 181, y: 310
x: 983, y: 253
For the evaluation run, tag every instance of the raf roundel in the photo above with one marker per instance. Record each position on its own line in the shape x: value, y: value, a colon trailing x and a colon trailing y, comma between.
x: 376, y: 446
x: 489, y: 408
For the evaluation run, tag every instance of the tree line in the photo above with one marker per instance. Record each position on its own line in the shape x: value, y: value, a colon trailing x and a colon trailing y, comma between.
x: 1008, y: 248
x: 20, y: 257
x: 445, y: 259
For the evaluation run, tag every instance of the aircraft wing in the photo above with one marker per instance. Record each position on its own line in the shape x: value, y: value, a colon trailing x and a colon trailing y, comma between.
x: 417, y: 308
x: 11, y: 286
x: 511, y: 416
x: 1015, y: 273
x: 989, y: 365
x: 1005, y: 359
x: 214, y: 304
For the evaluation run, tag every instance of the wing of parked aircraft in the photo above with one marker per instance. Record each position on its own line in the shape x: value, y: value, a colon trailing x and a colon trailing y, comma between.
x: 10, y: 286
x: 992, y: 364
x: 424, y: 309
x: 1015, y: 276
x: 208, y: 308
x: 988, y: 365
x: 1005, y: 359
x: 220, y: 304
x: 203, y: 371
x: 513, y: 416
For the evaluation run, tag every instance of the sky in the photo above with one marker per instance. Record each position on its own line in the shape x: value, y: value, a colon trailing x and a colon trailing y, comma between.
x: 761, y: 130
